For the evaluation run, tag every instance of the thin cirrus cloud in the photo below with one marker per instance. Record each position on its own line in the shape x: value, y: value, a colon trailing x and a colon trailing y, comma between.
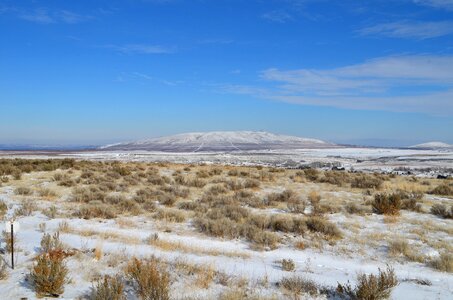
x: 277, y: 16
x: 422, y: 84
x: 443, y: 4
x: 142, y: 49
x: 45, y: 16
x: 410, y: 30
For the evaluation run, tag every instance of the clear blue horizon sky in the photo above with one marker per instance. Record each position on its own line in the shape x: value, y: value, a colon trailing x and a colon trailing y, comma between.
x: 95, y: 72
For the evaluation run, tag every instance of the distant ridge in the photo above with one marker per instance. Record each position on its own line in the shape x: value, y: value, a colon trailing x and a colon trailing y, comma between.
x: 432, y: 145
x: 221, y: 141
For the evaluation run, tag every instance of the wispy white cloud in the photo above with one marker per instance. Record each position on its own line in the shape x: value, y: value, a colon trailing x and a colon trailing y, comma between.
x: 278, y: 16
x: 398, y: 83
x: 412, y: 30
x: 444, y: 4
x: 142, y: 49
x: 139, y: 76
x: 45, y: 16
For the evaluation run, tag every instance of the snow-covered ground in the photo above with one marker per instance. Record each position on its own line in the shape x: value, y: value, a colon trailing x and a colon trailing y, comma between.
x: 423, y: 162
x: 364, y: 247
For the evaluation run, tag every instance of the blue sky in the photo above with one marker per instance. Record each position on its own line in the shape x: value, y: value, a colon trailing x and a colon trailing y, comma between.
x: 94, y: 72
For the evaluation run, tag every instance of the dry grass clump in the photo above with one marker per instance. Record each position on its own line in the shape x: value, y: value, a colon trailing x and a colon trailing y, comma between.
x: 322, y: 225
x: 7, y: 240
x: 386, y: 204
x: 275, y: 198
x: 371, y: 287
x: 170, y: 215
x: 442, y: 211
x: 150, y: 279
x: 311, y: 174
x: 443, y: 189
x: 400, y: 247
x: 365, y: 181
x: 96, y: 210
x: 3, y: 208
x: 288, y: 265
x: 51, y: 242
x: 108, y: 288
x: 49, y: 274
x: 26, y: 208
x: 443, y: 263
x: 356, y: 209
x: 47, y: 193
x: 23, y: 191
x: 297, y: 286
x: 3, y: 270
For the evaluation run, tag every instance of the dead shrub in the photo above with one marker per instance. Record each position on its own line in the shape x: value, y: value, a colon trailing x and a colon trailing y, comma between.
x: 170, y: 215
x: 298, y: 286
x: 311, y: 174
x: 443, y: 263
x: 324, y: 226
x: 443, y: 189
x: 26, y: 208
x: 3, y: 208
x: 284, y: 196
x: 150, y: 279
x: 386, y: 204
x: 354, y: 208
x: 3, y: 270
x: 23, y: 191
x: 371, y: 287
x: 442, y: 211
x: 96, y: 210
x: 108, y: 288
x: 365, y: 181
x: 46, y: 193
x: 296, y: 205
x: 288, y: 265
x: 51, y: 242
x: 49, y: 274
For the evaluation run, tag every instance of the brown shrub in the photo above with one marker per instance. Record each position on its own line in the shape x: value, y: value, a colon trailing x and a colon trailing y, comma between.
x: 3, y: 270
x: 444, y: 262
x: 443, y: 189
x: 371, y: 287
x: 297, y: 286
x: 386, y: 204
x: 150, y: 279
x: 49, y: 274
x: 288, y: 265
x: 365, y: 181
x: 442, y: 211
x: 23, y: 191
x: 96, y: 210
x: 170, y: 215
x: 51, y: 243
x: 108, y: 288
x: 324, y: 226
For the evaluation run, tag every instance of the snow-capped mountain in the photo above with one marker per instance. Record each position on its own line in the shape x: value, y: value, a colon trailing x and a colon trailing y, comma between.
x: 221, y: 141
x: 433, y: 145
